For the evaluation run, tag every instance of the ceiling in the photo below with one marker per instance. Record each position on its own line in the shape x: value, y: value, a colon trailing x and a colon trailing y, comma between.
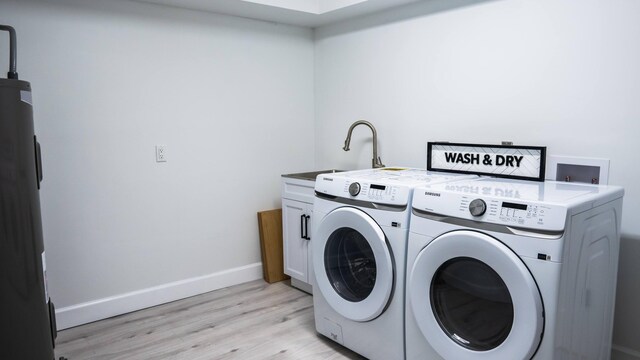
x: 307, y: 13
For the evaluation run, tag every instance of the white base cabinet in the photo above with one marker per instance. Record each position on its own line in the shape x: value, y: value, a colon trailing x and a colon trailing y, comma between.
x: 297, y: 217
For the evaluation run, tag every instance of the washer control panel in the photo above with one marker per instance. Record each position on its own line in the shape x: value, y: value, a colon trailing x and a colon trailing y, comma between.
x: 364, y: 190
x: 371, y: 192
x: 354, y: 189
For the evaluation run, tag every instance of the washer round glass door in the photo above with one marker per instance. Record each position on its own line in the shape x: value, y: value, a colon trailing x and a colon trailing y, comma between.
x: 352, y: 264
x: 472, y: 297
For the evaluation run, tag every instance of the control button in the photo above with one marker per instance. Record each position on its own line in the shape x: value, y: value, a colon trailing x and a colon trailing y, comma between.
x: 477, y: 207
x: 354, y: 189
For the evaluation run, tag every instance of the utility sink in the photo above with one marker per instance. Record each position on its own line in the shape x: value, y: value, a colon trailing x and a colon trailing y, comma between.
x: 311, y: 175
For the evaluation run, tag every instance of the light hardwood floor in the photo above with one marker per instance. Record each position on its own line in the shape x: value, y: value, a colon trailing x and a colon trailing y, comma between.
x: 255, y: 320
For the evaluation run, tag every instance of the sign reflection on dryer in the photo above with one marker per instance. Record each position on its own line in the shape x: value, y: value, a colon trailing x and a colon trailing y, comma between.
x: 519, y: 190
x: 487, y: 191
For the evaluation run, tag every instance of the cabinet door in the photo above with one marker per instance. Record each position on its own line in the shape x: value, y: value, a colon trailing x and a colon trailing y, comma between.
x: 310, y: 271
x: 295, y: 246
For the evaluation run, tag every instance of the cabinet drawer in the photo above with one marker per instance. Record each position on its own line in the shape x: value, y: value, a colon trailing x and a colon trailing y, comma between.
x: 297, y: 189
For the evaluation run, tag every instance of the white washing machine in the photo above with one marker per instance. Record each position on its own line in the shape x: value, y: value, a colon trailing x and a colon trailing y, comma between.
x: 358, y: 251
x: 507, y: 269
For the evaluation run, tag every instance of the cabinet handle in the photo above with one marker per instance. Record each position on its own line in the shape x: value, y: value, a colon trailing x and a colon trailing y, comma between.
x: 302, y: 219
x: 306, y: 227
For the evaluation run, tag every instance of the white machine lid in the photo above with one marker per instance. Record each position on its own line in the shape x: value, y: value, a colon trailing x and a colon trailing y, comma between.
x: 548, y: 191
x: 525, y: 204
x: 390, y: 185
x: 398, y: 175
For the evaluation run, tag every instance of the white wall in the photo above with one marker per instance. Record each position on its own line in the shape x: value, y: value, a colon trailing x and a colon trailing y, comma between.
x: 231, y: 98
x: 560, y: 73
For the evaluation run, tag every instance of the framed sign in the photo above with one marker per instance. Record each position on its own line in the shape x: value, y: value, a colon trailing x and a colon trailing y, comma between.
x: 507, y: 161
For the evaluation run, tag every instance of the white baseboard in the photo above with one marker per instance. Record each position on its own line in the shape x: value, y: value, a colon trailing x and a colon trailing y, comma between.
x: 87, y: 312
x: 624, y: 353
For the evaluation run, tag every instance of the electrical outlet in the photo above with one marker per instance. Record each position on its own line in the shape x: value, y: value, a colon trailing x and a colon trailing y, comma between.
x: 161, y: 153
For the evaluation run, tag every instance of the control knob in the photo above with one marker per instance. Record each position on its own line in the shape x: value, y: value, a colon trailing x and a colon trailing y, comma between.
x: 477, y: 207
x: 354, y: 189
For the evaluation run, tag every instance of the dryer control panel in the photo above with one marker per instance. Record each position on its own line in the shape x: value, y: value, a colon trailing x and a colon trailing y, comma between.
x: 523, y: 214
x: 512, y: 213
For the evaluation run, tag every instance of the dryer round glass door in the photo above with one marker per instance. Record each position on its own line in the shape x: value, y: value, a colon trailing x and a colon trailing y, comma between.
x: 471, y: 303
x: 352, y: 264
x: 473, y: 297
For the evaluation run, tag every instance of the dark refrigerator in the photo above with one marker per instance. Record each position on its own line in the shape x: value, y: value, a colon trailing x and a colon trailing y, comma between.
x: 27, y: 316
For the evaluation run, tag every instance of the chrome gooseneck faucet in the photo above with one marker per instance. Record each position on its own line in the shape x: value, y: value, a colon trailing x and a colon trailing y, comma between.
x: 375, y: 162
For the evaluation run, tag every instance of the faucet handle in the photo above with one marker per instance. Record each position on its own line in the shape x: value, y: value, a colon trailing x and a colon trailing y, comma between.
x: 377, y: 163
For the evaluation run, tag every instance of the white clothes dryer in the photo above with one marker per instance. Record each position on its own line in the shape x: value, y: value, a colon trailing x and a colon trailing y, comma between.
x: 513, y: 270
x: 358, y: 253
